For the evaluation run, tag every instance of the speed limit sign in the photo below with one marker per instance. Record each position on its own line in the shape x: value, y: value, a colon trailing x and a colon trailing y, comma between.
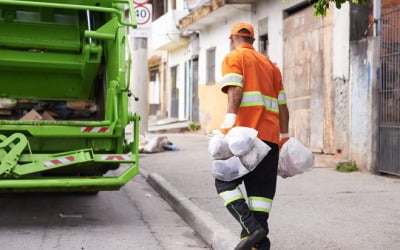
x: 143, y: 13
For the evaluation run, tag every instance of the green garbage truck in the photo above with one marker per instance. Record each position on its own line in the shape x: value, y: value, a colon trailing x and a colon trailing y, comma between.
x: 64, y: 92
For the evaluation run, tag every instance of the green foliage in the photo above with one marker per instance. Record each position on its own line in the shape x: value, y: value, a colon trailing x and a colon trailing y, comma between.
x: 321, y: 6
x: 193, y: 126
x: 346, y: 167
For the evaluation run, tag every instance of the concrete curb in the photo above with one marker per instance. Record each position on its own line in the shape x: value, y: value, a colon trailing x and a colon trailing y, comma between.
x: 212, y: 232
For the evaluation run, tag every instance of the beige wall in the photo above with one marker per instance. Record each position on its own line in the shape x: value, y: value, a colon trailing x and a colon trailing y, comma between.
x: 213, y: 105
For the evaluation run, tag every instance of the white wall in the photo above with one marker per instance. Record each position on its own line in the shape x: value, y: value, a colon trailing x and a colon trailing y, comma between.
x: 340, y: 43
x: 272, y: 10
x: 218, y: 36
x: 364, y: 110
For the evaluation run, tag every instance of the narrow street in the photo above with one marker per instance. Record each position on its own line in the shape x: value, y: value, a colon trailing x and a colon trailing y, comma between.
x: 133, y: 218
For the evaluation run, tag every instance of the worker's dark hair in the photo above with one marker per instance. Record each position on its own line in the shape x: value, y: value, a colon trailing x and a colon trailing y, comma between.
x: 244, y: 31
x: 246, y: 38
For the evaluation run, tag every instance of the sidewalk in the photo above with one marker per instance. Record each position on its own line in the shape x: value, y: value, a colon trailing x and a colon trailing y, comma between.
x: 321, y: 209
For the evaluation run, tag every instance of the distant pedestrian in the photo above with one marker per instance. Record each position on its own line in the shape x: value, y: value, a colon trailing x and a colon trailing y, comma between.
x: 256, y: 99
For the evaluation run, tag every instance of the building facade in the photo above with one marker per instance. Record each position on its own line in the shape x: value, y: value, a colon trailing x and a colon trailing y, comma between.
x: 331, y: 69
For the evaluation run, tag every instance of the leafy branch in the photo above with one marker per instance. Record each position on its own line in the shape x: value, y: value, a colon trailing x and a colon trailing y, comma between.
x: 321, y: 6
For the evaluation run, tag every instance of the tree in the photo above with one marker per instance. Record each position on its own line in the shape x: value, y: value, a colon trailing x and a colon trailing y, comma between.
x: 321, y: 6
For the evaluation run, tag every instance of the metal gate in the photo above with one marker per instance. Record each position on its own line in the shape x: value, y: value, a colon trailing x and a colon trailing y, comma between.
x: 389, y: 117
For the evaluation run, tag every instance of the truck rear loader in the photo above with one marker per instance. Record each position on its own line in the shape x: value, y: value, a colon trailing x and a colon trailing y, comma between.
x: 64, y: 92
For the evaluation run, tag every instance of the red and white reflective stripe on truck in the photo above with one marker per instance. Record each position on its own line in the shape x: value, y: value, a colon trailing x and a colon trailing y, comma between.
x: 58, y: 161
x: 95, y: 129
x: 115, y: 157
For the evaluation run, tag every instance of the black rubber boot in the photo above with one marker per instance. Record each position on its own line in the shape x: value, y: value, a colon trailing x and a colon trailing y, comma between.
x: 261, y: 217
x: 244, y: 216
x: 248, y: 242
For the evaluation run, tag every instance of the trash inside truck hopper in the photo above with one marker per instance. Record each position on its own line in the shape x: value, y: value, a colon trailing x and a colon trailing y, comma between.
x: 64, y: 89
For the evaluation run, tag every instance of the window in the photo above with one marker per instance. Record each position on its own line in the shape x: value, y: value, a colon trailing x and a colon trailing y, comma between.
x: 154, y: 91
x: 263, y: 44
x: 263, y: 36
x: 210, y: 66
x: 159, y: 8
x: 174, y: 93
x: 154, y: 88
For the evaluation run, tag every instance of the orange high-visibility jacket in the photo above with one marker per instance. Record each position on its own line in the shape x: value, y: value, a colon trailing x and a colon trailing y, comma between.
x: 262, y: 87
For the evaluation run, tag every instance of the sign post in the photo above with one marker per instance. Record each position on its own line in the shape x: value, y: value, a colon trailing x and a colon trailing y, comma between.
x: 139, y: 67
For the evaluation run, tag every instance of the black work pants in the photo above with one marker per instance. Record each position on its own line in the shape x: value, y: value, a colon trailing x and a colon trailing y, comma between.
x: 261, y: 182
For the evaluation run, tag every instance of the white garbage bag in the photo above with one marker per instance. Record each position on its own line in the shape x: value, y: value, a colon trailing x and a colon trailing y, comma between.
x: 155, y: 145
x: 228, y: 170
x: 7, y: 103
x: 241, y: 140
x: 218, y: 147
x: 294, y: 158
x: 256, y: 154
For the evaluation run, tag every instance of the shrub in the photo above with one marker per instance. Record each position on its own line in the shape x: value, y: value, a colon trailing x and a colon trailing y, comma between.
x: 346, y: 167
x: 193, y: 126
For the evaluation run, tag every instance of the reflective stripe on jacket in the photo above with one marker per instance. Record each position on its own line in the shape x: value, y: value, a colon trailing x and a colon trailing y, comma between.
x: 262, y: 87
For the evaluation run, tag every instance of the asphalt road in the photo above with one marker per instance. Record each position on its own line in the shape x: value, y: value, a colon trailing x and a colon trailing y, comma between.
x: 133, y: 218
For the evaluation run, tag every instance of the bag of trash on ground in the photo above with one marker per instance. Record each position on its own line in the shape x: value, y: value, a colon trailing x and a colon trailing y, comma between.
x: 155, y: 145
x: 294, y: 158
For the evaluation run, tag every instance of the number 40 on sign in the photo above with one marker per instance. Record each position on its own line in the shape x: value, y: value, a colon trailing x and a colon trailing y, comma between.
x: 143, y: 13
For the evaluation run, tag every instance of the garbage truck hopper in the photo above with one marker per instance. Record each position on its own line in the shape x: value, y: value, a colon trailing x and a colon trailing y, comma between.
x: 64, y: 90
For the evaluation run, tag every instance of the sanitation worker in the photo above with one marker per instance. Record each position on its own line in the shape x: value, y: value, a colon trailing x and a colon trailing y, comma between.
x: 256, y: 99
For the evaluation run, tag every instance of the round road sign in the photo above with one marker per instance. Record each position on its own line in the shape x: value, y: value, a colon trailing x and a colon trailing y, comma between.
x: 143, y: 13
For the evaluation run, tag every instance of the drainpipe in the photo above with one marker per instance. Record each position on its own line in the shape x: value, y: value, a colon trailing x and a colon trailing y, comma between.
x: 377, y: 17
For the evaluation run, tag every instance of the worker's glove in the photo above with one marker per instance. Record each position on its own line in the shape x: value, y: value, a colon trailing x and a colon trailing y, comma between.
x: 214, y: 133
x: 229, y: 121
x: 283, y: 138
